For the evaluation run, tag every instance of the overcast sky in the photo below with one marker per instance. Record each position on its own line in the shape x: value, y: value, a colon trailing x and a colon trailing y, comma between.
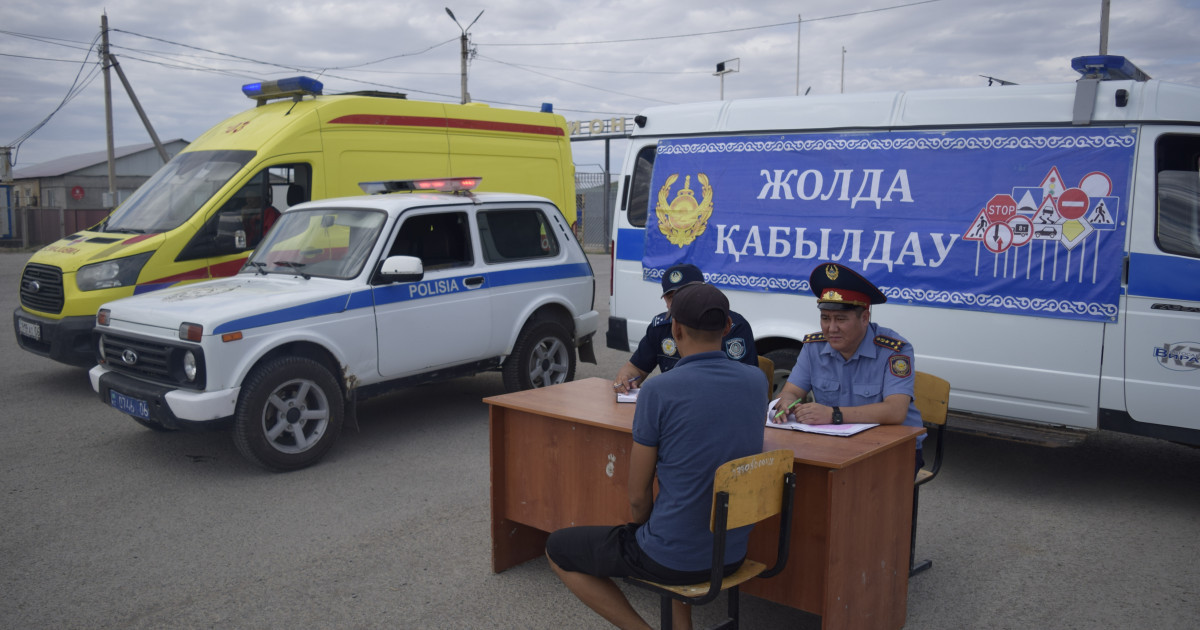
x: 187, y: 60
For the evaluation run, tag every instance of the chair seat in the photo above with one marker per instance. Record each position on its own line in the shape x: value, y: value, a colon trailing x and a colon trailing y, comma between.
x: 749, y: 569
x: 923, y: 476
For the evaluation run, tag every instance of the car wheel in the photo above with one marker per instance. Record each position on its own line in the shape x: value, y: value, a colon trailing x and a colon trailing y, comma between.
x: 784, y: 360
x: 289, y: 414
x: 152, y: 425
x: 542, y: 356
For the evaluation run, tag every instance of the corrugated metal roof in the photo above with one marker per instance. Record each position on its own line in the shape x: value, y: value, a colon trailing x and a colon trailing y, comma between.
x: 72, y: 163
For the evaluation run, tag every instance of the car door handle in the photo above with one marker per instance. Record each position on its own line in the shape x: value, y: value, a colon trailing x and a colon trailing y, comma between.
x: 473, y: 282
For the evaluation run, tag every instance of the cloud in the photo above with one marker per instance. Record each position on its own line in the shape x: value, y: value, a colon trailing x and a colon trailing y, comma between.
x: 187, y: 60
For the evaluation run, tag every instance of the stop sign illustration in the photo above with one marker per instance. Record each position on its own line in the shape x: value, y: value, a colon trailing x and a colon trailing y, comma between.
x: 1000, y: 209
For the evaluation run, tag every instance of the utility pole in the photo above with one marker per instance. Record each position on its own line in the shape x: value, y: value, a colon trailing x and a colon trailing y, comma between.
x: 799, y: 21
x: 465, y: 47
x: 1104, y: 27
x: 108, y: 118
x: 843, y: 87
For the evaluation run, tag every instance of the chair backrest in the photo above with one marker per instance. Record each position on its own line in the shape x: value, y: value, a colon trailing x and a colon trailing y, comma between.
x: 768, y: 368
x: 932, y: 397
x: 754, y: 485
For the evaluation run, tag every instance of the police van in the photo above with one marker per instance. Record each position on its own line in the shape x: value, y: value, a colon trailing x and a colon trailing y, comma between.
x: 349, y: 298
x: 1039, y: 245
x: 200, y: 215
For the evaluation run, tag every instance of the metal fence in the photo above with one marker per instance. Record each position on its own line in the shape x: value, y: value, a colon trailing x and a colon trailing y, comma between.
x: 34, y: 227
x: 593, y: 225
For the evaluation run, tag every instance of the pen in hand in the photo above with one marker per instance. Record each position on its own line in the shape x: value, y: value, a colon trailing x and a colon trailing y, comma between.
x: 788, y: 410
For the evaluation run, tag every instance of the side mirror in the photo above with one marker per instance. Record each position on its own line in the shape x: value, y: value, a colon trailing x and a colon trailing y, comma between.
x: 402, y: 269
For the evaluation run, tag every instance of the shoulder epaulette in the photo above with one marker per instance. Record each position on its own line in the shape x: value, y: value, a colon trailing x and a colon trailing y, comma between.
x: 890, y: 343
x: 660, y: 319
x: 814, y: 337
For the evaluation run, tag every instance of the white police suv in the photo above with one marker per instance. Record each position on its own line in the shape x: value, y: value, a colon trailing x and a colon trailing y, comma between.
x: 347, y: 298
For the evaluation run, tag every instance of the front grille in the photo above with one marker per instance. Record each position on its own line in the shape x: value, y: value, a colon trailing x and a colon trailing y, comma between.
x: 152, y: 360
x: 42, y: 288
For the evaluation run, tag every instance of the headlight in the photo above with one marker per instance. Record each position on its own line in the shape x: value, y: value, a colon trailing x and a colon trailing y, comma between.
x: 121, y: 272
x: 189, y: 365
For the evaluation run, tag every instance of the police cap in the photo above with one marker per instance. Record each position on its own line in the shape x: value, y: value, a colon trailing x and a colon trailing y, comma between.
x: 680, y: 275
x: 840, y: 288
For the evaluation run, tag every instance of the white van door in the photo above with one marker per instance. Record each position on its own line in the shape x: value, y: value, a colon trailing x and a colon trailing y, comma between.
x: 1162, y: 317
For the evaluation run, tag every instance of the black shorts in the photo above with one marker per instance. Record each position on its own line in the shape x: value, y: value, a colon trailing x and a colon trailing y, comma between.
x: 606, y: 551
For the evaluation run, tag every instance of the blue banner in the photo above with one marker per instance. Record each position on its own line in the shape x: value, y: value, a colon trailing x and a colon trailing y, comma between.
x: 1024, y: 221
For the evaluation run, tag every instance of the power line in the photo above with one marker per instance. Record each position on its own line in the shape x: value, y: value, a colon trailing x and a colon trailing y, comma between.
x: 720, y: 32
x: 575, y: 82
x: 653, y: 72
x: 77, y: 87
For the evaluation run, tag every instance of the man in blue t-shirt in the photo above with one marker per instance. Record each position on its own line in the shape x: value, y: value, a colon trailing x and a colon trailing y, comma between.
x: 657, y: 347
x: 706, y: 411
x: 857, y: 370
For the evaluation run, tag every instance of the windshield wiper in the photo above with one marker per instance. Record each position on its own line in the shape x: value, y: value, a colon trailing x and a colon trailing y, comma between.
x: 125, y: 231
x: 259, y: 267
x: 297, y: 266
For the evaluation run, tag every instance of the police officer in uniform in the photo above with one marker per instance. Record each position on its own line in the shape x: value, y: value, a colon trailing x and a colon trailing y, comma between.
x: 657, y: 346
x: 857, y: 370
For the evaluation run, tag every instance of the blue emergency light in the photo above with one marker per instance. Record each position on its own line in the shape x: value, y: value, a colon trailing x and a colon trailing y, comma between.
x: 1108, y: 68
x: 291, y: 87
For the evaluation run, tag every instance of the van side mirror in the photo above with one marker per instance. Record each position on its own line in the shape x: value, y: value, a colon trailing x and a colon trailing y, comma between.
x: 401, y: 269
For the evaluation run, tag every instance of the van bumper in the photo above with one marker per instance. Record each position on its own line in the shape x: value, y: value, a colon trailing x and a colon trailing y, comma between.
x: 67, y: 340
x: 169, y: 407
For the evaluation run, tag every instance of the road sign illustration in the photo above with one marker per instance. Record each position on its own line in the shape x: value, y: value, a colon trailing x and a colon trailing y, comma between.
x: 1022, y: 229
x: 999, y: 237
x: 1072, y: 204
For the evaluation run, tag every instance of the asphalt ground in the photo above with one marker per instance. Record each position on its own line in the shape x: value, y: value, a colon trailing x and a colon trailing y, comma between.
x: 104, y: 524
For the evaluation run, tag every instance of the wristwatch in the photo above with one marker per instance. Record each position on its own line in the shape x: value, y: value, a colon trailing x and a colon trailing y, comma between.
x: 837, y: 415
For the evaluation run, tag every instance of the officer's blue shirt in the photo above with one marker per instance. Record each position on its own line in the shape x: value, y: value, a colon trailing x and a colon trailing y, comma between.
x: 881, y: 366
x: 657, y: 346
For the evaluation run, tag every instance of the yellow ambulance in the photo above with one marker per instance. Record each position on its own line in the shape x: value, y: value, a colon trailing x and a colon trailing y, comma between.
x: 201, y: 215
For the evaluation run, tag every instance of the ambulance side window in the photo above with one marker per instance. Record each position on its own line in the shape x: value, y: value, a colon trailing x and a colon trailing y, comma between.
x: 1177, y: 225
x: 639, y: 186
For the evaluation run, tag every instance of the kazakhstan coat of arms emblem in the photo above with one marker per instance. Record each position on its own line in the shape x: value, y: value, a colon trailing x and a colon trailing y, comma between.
x: 684, y: 219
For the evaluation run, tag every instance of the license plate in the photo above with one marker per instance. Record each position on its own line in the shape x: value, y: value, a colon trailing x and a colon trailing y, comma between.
x: 33, y: 330
x: 129, y: 405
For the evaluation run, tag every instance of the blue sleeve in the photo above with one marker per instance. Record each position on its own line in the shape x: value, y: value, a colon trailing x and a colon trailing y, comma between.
x: 801, y: 375
x: 645, y: 358
x: 898, y: 371
x: 646, y: 415
x: 744, y: 331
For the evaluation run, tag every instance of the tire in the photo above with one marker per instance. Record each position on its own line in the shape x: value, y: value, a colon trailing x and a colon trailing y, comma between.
x: 785, y: 360
x: 152, y: 425
x: 289, y: 414
x: 542, y: 356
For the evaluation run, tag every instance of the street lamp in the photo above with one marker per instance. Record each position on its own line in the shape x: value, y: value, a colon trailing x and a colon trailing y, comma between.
x: 724, y: 68
x: 466, y: 98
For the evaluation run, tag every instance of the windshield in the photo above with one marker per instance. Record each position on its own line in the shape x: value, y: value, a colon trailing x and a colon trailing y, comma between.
x: 322, y: 242
x: 176, y: 192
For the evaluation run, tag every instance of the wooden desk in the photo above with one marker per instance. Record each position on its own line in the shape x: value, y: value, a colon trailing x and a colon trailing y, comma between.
x: 560, y: 457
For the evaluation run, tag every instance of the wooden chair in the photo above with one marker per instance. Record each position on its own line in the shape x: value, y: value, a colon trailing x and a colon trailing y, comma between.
x: 768, y: 368
x: 932, y: 397
x: 745, y: 491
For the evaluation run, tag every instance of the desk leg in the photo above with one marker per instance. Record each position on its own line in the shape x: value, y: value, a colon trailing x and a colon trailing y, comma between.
x: 512, y: 543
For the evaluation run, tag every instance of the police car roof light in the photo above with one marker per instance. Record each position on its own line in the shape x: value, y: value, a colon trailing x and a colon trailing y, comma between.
x: 291, y: 87
x: 1108, y: 68
x: 442, y: 184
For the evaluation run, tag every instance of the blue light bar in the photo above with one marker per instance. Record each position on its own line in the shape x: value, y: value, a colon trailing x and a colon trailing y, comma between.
x: 283, y: 88
x: 1108, y: 68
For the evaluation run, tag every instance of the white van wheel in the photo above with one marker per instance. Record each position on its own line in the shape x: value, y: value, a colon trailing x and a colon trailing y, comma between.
x: 784, y: 360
